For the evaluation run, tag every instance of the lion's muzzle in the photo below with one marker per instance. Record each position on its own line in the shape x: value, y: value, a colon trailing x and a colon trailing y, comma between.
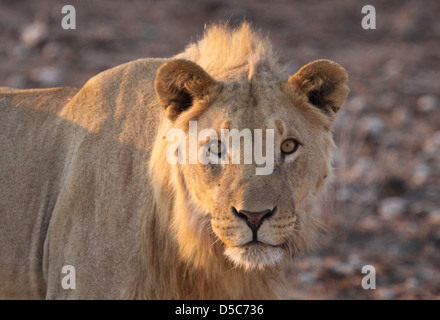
x: 254, y: 219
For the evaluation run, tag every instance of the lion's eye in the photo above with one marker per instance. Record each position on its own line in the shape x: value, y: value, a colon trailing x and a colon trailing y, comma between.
x: 289, y: 146
x: 216, y: 148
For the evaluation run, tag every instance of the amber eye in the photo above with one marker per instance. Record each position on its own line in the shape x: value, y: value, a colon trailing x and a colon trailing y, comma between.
x: 289, y: 146
x: 216, y: 147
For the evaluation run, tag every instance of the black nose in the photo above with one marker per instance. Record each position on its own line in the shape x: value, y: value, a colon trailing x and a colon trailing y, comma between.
x: 254, y: 219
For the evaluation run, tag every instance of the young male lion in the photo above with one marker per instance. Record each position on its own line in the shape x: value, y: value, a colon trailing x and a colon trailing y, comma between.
x: 85, y: 180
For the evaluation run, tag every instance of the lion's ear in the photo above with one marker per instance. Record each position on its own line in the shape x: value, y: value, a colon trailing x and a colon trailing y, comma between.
x: 178, y: 83
x: 324, y: 82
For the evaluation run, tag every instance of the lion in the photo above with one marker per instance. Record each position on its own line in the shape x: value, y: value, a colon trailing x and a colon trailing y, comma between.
x: 85, y: 181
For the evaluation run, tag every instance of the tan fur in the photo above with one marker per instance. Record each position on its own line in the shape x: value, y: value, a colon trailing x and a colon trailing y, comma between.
x: 85, y: 180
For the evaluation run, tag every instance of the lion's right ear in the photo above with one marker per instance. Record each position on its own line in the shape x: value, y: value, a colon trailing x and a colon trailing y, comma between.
x: 179, y: 83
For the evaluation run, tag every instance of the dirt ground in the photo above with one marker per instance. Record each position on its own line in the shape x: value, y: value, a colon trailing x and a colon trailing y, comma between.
x: 383, y: 206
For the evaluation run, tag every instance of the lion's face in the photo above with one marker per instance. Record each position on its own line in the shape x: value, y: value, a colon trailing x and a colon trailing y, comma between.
x: 257, y: 215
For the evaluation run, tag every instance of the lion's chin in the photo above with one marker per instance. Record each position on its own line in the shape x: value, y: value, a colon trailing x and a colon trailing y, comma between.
x: 255, y: 256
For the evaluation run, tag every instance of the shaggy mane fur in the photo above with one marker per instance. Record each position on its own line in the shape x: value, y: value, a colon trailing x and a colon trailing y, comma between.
x: 227, y: 53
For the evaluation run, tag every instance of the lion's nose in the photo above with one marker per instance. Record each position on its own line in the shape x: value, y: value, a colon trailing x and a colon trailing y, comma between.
x: 254, y: 219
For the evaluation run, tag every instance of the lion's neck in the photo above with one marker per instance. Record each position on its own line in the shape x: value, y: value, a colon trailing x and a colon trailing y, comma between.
x: 169, y: 276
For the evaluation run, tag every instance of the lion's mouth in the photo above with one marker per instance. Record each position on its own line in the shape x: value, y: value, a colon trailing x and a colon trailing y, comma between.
x: 258, y: 242
x: 256, y: 255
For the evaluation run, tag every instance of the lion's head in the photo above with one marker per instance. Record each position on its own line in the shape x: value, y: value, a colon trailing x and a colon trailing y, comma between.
x: 255, y: 218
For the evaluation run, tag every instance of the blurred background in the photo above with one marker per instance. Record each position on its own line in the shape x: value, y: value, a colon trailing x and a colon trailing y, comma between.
x: 383, y: 206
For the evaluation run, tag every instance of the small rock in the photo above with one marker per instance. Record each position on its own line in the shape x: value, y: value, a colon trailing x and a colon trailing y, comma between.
x: 386, y: 294
x: 307, y: 277
x: 52, y: 50
x: 427, y: 103
x: 362, y: 167
x: 401, y: 116
x: 412, y: 283
x: 434, y: 217
x: 409, y: 229
x: 393, y: 68
x: 354, y: 259
x: 20, y: 51
x: 49, y: 76
x: 392, y: 207
x: 421, y: 174
x: 35, y: 33
x: 432, y: 145
x: 417, y: 208
x: 373, y: 126
x: 357, y: 104
x: 344, y: 269
x: 371, y: 223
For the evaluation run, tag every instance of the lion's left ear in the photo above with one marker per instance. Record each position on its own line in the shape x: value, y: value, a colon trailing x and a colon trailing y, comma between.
x: 179, y: 83
x: 324, y: 82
